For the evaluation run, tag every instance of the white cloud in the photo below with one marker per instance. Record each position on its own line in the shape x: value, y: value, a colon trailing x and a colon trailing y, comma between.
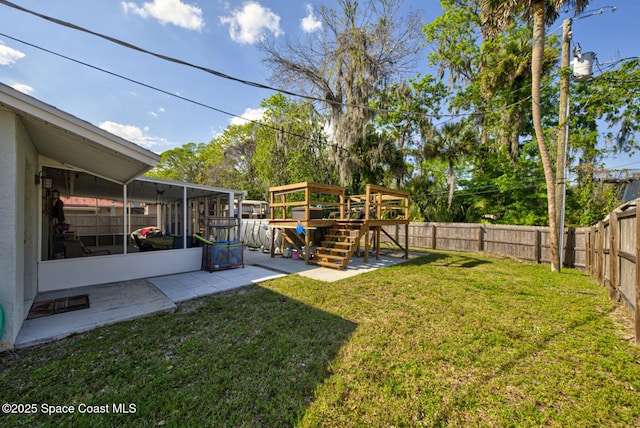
x: 169, y: 12
x: 310, y: 23
x: 26, y: 89
x: 157, y: 112
x: 249, y: 24
x: 134, y: 134
x: 9, y: 55
x: 247, y: 115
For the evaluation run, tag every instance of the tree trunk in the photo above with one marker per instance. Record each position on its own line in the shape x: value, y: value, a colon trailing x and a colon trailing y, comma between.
x: 452, y: 183
x: 536, y: 110
x: 563, y: 131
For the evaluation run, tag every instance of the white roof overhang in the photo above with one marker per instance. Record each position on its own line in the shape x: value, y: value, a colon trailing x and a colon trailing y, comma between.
x: 75, y: 143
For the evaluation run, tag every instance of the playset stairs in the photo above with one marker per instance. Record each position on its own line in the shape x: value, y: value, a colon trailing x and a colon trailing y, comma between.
x: 339, y: 244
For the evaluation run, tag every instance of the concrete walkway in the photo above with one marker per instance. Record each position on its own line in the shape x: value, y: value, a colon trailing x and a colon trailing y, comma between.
x: 121, y: 301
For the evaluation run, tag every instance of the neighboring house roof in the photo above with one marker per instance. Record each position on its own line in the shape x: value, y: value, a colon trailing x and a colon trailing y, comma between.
x: 76, y: 201
x: 631, y: 190
x: 75, y: 143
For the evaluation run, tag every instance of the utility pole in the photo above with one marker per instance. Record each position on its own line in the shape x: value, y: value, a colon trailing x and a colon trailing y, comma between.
x: 563, y: 135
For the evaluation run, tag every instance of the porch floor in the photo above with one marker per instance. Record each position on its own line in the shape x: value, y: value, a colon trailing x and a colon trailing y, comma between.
x: 121, y: 301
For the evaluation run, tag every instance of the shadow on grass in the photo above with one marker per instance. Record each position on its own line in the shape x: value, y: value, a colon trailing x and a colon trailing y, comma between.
x: 459, y: 260
x: 250, y: 357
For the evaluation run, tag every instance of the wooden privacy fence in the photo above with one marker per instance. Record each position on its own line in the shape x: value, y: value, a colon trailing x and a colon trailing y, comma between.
x: 612, y: 248
x: 105, y: 229
x: 607, y: 251
x: 523, y: 242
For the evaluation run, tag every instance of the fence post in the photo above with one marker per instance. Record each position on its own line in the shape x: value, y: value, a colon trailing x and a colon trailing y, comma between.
x: 433, y: 236
x: 571, y: 247
x: 536, y: 246
x: 613, y: 256
x: 601, y: 252
x: 480, y: 238
x: 637, y: 312
x: 588, y: 242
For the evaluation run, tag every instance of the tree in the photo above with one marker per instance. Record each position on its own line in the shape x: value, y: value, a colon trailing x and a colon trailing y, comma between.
x: 187, y: 163
x: 499, y: 14
x: 234, y: 149
x: 361, y: 48
x: 452, y: 142
x: 407, y: 112
x: 488, y: 76
x: 290, y: 144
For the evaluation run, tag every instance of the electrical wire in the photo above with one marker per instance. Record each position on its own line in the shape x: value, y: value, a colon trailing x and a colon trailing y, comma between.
x: 57, y: 21
x: 205, y: 69
x: 220, y: 75
x: 148, y: 86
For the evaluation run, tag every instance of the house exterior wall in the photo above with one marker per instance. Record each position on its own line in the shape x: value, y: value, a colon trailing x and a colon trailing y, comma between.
x: 18, y: 232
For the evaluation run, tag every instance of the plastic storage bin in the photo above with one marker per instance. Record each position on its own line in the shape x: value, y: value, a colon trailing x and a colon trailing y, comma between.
x: 222, y: 255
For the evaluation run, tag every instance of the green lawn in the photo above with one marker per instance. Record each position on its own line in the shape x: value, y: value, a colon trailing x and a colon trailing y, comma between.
x: 450, y: 339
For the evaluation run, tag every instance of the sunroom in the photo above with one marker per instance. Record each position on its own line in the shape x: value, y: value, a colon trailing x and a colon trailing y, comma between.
x: 97, y: 230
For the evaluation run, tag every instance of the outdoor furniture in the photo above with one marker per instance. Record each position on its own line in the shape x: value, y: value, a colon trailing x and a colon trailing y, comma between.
x: 75, y: 248
x: 163, y: 242
x: 142, y: 246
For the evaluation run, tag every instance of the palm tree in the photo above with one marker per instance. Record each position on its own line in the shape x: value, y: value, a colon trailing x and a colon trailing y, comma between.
x: 453, y: 141
x: 498, y: 14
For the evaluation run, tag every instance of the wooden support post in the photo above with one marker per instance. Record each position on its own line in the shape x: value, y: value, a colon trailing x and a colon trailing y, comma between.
x: 536, y: 246
x: 307, y: 246
x: 614, y: 263
x: 283, y: 198
x: 307, y: 199
x: 480, y: 238
x: 272, y: 250
x: 406, y: 241
x: 366, y: 242
x: 377, y: 235
x: 637, y: 311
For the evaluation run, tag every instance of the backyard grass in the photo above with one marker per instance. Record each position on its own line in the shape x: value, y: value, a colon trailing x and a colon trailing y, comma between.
x: 450, y: 339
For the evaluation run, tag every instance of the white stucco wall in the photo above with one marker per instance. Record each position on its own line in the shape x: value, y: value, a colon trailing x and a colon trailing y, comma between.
x: 78, y: 272
x: 8, y: 228
x: 27, y: 209
x: 17, y: 159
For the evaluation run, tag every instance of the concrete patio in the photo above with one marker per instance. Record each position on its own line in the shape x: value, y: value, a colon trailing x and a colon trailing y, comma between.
x: 120, y: 301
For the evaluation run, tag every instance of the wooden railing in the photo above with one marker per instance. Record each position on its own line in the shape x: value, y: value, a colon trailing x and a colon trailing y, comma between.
x: 283, y: 199
x: 381, y: 203
x: 378, y: 202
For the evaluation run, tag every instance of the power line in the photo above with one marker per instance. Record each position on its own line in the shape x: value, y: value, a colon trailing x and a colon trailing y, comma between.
x: 146, y: 85
x: 206, y: 69
x: 216, y: 73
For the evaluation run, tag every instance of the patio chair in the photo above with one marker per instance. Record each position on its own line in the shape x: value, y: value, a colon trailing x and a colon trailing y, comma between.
x: 75, y: 248
x: 141, y: 245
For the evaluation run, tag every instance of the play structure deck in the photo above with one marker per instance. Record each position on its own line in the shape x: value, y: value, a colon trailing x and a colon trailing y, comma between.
x: 327, y: 227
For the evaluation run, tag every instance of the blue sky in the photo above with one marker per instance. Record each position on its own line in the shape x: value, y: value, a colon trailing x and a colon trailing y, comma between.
x: 216, y: 34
